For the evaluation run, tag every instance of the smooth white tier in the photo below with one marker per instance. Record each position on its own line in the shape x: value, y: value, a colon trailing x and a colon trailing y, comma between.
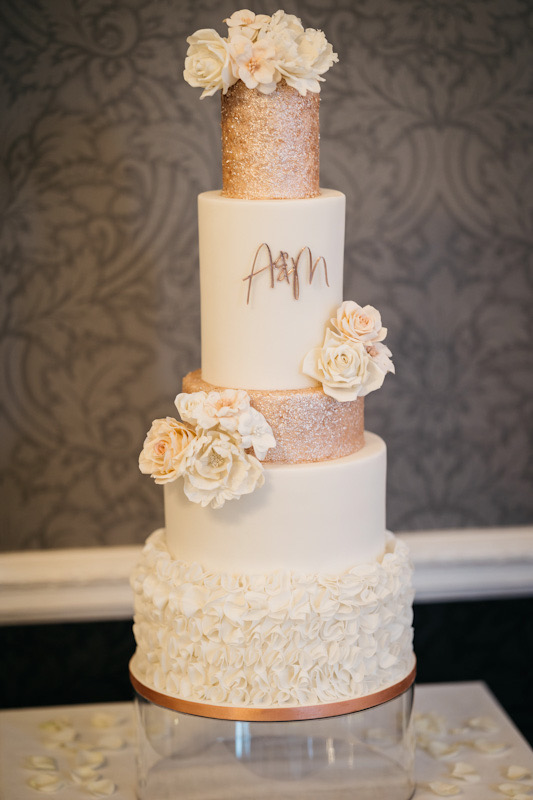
x: 260, y: 341
x: 317, y: 517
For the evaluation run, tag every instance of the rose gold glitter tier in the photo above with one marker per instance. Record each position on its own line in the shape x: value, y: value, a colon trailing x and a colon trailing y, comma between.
x: 306, y: 423
x: 270, y: 143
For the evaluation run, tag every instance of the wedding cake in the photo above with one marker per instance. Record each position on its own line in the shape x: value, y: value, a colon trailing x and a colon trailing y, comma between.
x: 274, y: 590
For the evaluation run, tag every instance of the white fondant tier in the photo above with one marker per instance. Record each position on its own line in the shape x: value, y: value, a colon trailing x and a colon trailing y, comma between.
x: 306, y: 517
x: 281, y: 638
x: 257, y: 330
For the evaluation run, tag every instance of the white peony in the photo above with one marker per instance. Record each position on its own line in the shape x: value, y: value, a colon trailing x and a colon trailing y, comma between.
x: 282, y: 21
x: 167, y: 447
x: 343, y: 367
x: 359, y: 324
x: 208, y: 62
x: 303, y: 64
x: 220, y: 471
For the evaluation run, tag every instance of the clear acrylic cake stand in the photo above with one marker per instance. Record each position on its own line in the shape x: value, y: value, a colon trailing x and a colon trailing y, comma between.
x: 365, y: 755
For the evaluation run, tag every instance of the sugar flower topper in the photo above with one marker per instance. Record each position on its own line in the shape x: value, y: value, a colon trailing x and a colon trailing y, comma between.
x: 259, y: 50
x: 352, y: 361
x: 210, y: 447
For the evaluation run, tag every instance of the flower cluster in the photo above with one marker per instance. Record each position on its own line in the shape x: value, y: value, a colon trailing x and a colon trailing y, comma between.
x: 260, y: 51
x: 353, y: 360
x: 208, y: 448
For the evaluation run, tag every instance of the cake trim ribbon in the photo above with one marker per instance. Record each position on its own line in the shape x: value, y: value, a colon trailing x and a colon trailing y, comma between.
x: 273, y: 714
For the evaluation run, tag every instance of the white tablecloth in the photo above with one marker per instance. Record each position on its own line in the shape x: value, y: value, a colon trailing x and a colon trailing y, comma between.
x: 443, y: 711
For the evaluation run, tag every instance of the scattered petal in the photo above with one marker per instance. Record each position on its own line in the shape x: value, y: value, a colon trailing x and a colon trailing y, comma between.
x: 490, y: 748
x: 111, y: 741
x: 444, y: 789
x: 442, y: 749
x: 486, y: 724
x: 466, y: 772
x: 101, y: 787
x: 429, y: 723
x: 516, y: 773
x: 515, y: 789
x: 58, y: 731
x: 104, y: 720
x: 90, y: 758
x: 41, y: 762
x: 46, y: 782
x: 84, y: 773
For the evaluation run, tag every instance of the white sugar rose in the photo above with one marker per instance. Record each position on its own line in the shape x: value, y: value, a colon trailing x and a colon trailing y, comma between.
x: 220, y: 471
x: 343, y: 367
x: 255, y: 63
x: 208, y: 62
x: 359, y: 324
x: 167, y: 447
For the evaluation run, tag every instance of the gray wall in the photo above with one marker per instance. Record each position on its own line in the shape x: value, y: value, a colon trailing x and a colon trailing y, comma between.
x: 426, y: 127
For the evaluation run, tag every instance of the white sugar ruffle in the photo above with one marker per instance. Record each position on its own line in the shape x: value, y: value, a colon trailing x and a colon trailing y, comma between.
x: 276, y: 639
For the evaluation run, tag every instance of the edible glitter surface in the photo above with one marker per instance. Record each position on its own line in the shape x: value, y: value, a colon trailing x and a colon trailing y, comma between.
x: 306, y: 423
x: 270, y: 143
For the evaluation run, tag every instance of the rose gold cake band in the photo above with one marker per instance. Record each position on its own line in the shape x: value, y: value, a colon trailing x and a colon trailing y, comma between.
x: 270, y: 143
x: 273, y: 714
x: 306, y: 423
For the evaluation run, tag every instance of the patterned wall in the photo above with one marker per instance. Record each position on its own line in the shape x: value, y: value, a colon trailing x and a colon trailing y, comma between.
x: 426, y: 126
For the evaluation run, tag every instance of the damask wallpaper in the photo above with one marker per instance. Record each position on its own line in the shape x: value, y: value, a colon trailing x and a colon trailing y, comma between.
x: 426, y: 126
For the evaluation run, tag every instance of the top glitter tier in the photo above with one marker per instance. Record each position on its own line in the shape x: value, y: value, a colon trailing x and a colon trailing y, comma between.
x: 270, y: 143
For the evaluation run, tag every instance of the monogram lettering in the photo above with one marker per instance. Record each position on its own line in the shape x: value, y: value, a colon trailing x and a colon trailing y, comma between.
x: 284, y: 268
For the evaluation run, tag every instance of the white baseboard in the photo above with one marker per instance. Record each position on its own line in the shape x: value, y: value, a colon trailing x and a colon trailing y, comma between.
x: 92, y: 584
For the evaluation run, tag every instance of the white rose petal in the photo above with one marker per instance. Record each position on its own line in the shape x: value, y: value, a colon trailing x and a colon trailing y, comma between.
x: 465, y: 772
x: 47, y: 783
x: 444, y: 789
x: 101, y: 787
x: 83, y: 774
x: 516, y: 773
x: 442, y: 749
x: 91, y: 758
x: 430, y: 723
x: 102, y: 719
x: 111, y: 742
x: 514, y: 789
x: 490, y: 748
x: 41, y: 762
x: 486, y: 724
x: 58, y: 731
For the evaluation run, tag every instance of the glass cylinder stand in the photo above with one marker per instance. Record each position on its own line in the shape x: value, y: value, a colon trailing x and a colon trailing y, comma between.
x: 364, y: 755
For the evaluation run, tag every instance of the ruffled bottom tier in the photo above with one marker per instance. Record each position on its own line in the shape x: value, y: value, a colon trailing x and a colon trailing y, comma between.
x: 274, y: 640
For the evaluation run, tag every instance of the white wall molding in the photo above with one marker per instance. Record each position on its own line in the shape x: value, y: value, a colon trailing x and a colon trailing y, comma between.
x: 92, y: 584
